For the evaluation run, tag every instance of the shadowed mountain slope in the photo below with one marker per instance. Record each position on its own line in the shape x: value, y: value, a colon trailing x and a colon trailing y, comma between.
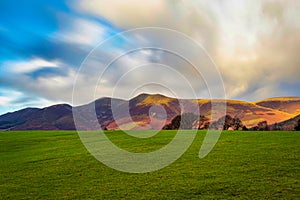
x: 55, y: 117
x: 289, y: 124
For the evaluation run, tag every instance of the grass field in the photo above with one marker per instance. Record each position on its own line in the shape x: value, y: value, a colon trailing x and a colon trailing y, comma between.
x: 243, y: 165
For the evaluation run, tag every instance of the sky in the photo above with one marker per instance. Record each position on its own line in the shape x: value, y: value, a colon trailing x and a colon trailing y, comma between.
x: 48, y: 46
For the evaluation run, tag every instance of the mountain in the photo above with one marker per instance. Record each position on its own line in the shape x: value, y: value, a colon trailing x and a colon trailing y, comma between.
x: 286, y: 125
x: 284, y: 104
x: 134, y: 113
x: 55, y: 117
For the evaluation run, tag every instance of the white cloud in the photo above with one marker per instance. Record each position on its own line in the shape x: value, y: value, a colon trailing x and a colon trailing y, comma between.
x: 30, y: 65
x: 13, y: 100
x: 82, y: 32
x: 56, y: 88
x: 5, y: 100
x: 41, y: 90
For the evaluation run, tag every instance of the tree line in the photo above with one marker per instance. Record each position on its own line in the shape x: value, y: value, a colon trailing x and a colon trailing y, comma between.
x: 192, y: 121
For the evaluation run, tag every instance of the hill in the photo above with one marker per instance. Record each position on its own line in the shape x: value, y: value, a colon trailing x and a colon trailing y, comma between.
x: 286, y: 125
x: 284, y: 104
x: 55, y: 117
x: 134, y: 113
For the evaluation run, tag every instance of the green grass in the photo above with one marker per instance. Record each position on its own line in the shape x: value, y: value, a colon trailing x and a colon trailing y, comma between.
x: 243, y: 165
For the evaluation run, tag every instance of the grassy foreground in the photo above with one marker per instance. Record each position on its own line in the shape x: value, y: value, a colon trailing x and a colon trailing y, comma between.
x: 243, y: 165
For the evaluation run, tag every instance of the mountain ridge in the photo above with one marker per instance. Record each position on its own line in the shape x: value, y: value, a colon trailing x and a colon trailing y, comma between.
x: 60, y: 117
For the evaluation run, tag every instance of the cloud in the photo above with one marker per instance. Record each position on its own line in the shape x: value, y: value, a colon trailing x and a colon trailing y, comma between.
x: 254, y: 43
x: 130, y: 13
x: 83, y: 32
x: 5, y: 100
x: 255, y: 70
x: 13, y: 100
x: 30, y: 65
x: 51, y: 87
x: 185, y: 16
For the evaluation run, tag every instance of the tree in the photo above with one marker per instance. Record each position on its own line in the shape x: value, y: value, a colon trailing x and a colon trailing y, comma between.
x: 237, y: 124
x: 276, y: 127
x: 184, y: 121
x: 174, y: 125
x: 263, y: 126
x: 244, y: 128
x: 188, y: 120
x: 227, y: 122
x: 203, y: 123
x: 297, y: 127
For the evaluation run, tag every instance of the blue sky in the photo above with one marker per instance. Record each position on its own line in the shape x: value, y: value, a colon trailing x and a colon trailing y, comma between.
x: 36, y: 42
x: 254, y: 44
